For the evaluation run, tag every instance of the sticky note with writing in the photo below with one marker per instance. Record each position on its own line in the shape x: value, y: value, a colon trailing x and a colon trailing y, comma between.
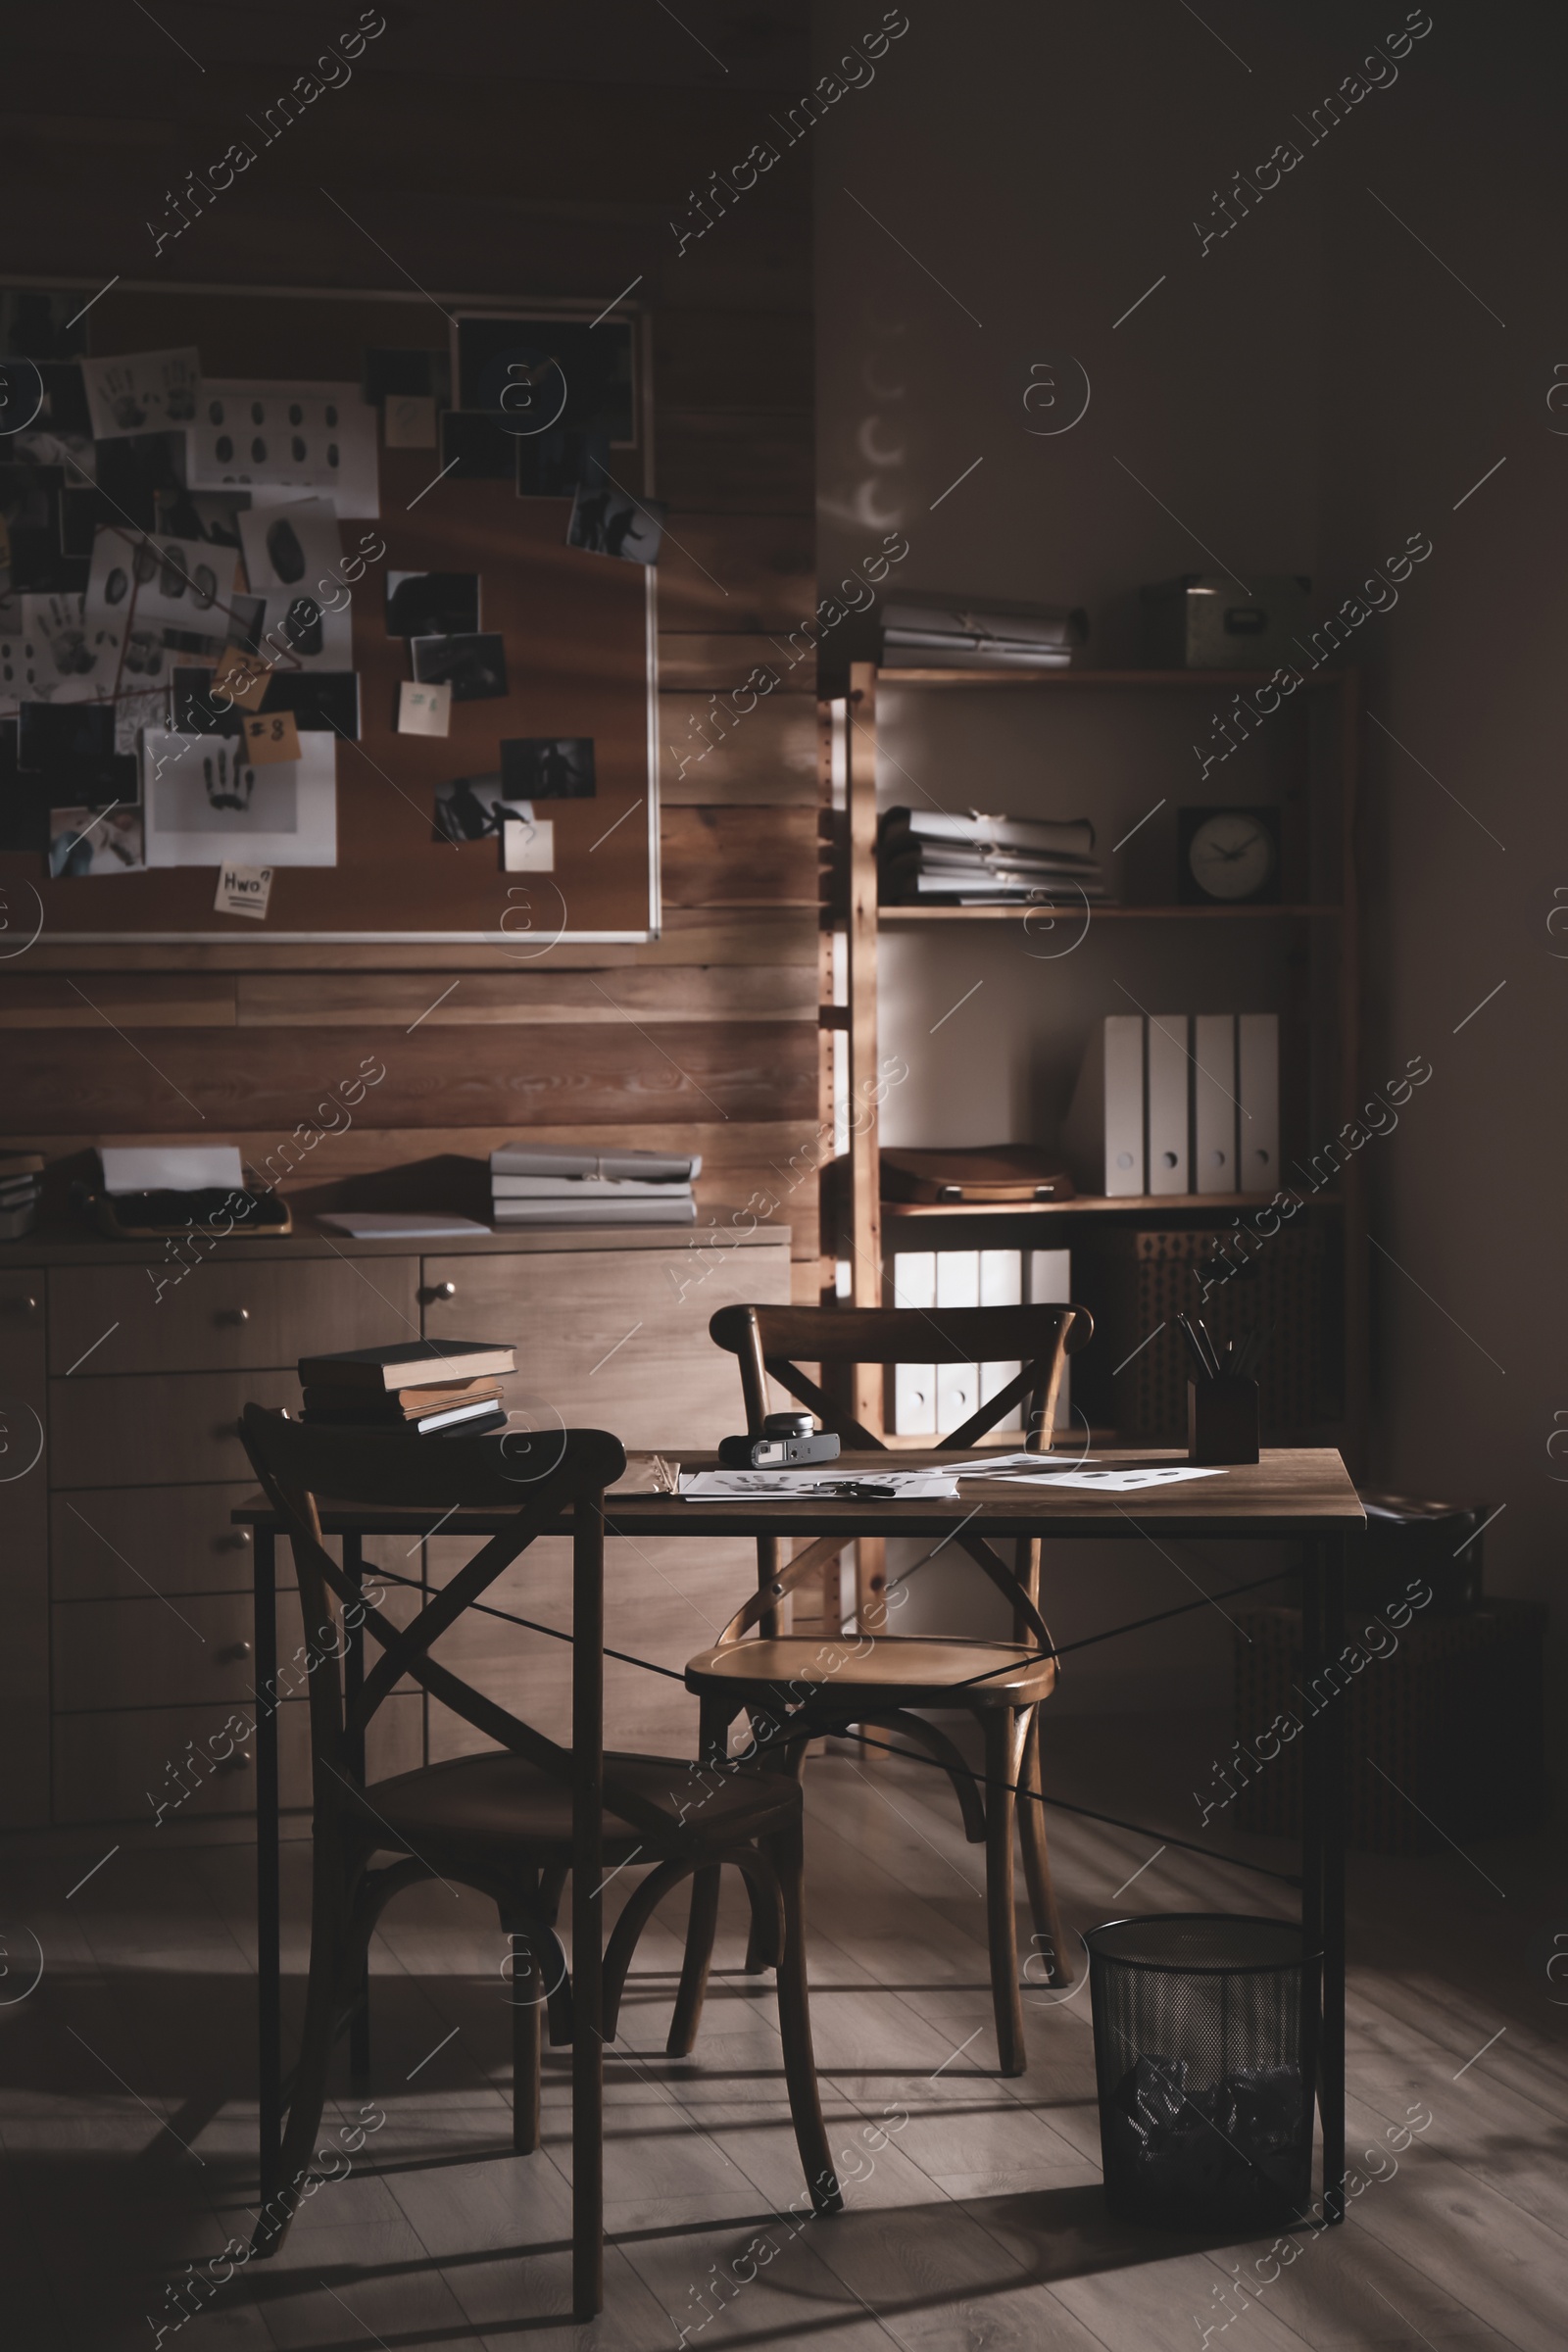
x: 240, y: 678
x: 270, y: 735
x: 424, y: 710
x: 410, y: 420
x: 243, y: 889
x: 529, y: 845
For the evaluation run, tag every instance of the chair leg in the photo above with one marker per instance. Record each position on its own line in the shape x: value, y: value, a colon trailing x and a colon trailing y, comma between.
x: 1004, y: 1748
x: 527, y: 1997
x: 1037, y: 1862
x: 360, y: 2032
x: 331, y: 1904
x: 700, y: 1925
x: 786, y: 1851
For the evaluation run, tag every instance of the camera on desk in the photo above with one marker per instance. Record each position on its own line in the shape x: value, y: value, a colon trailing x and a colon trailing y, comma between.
x: 786, y: 1438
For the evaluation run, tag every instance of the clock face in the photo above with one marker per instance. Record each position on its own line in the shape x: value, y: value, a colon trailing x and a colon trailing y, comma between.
x: 1230, y: 855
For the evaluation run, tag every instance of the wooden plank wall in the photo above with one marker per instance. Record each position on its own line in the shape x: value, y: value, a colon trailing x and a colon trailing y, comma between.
x: 498, y: 182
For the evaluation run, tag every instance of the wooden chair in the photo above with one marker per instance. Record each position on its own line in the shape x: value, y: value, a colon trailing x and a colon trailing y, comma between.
x: 511, y: 1821
x: 771, y: 1676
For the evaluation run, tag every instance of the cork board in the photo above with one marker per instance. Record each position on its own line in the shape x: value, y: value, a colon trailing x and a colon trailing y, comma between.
x: 579, y: 637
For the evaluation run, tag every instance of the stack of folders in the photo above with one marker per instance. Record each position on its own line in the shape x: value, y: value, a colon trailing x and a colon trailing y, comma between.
x: 946, y: 634
x: 20, y: 1176
x: 1171, y: 1103
x: 432, y: 1389
x: 928, y: 1400
x: 926, y: 856
x: 544, y: 1184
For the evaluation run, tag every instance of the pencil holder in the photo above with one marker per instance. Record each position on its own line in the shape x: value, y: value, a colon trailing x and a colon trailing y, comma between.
x: 1222, y: 1421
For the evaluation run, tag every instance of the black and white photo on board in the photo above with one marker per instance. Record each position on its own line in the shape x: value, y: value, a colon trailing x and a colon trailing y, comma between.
x: 609, y: 521
x: 71, y: 746
x: 294, y: 559
x: 558, y: 464
x: 475, y: 807
x: 432, y: 603
x: 473, y: 667
x: 548, y: 767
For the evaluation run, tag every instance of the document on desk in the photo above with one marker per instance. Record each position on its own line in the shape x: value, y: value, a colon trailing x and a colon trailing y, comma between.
x: 815, y: 1485
x: 1097, y: 1482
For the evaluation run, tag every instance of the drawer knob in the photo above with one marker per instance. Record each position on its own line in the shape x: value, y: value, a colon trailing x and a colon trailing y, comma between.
x: 441, y: 1290
x: 21, y: 1307
x: 239, y: 1761
x: 236, y: 1539
x: 231, y: 1654
x: 234, y: 1315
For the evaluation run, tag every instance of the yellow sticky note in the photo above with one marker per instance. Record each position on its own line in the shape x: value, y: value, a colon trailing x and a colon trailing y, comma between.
x: 270, y: 735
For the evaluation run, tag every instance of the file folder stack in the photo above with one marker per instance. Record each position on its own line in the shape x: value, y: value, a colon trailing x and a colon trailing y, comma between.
x: 1169, y: 1106
x: 927, y: 855
x: 950, y: 635
x: 547, y: 1184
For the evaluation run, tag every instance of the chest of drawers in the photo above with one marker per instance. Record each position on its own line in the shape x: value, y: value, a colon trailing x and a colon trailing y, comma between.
x: 125, y: 1589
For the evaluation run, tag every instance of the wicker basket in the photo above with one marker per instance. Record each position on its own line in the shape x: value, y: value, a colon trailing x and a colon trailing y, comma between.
x: 1135, y: 1282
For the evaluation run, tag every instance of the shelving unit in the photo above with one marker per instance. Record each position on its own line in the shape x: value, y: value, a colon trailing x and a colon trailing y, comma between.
x: 1328, y: 923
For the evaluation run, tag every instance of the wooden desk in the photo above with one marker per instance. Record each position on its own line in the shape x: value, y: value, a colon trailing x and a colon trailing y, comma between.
x: 1302, y: 1494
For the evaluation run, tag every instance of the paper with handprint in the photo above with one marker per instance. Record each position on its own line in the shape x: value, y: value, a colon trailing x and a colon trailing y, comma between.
x: 206, y: 802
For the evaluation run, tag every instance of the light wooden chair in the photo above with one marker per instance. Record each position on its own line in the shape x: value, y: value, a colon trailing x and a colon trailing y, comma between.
x: 895, y: 1675
x: 513, y: 1820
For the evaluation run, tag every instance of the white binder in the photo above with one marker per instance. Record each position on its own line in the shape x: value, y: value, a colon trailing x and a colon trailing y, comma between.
x: 1047, y: 1281
x: 1257, y: 1091
x: 958, y: 1385
x: 1169, y: 1075
x: 1214, y: 1102
x: 1000, y: 1285
x: 914, y: 1385
x: 1104, y: 1129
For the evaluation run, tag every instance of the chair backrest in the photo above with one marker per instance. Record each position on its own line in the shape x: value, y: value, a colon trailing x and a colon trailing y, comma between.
x: 772, y: 1341
x: 537, y: 1478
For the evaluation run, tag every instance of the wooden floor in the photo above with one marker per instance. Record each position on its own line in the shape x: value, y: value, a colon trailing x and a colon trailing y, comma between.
x: 128, y: 2123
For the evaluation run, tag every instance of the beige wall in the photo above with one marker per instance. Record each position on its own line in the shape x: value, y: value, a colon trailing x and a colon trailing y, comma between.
x: 1303, y: 396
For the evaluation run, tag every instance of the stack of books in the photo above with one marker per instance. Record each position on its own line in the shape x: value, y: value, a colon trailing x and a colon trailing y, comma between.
x: 925, y: 855
x: 947, y: 634
x: 547, y: 1184
x: 19, y: 1175
x: 430, y: 1388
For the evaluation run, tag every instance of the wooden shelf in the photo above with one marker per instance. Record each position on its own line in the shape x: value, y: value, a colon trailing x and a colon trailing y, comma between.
x: 1094, y: 1205
x: 1093, y: 677
x: 1019, y: 914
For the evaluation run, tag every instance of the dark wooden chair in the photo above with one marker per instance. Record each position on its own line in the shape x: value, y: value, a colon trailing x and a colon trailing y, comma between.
x: 511, y: 1821
x: 765, y: 1675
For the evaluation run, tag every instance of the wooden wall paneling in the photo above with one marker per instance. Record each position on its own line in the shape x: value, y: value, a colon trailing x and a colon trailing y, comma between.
x: 394, y: 1000
x: 762, y: 757
x: 75, y: 1081
x: 137, y: 1001
x: 721, y: 662
x: 724, y: 358
x: 723, y: 857
x: 737, y: 461
x: 744, y: 571
x: 690, y: 935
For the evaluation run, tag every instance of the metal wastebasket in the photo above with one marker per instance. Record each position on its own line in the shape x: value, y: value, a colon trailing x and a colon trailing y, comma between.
x: 1205, y: 2056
